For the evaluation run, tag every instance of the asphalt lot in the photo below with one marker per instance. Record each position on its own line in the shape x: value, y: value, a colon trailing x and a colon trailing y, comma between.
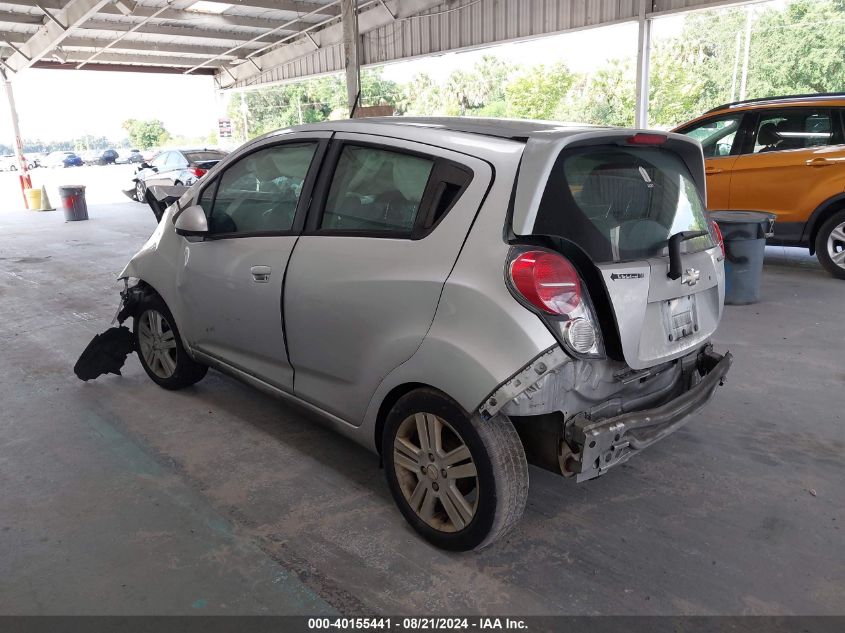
x: 117, y: 497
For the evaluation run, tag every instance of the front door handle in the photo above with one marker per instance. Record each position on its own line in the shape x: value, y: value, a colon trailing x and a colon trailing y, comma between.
x: 819, y: 162
x: 713, y: 170
x: 260, y: 274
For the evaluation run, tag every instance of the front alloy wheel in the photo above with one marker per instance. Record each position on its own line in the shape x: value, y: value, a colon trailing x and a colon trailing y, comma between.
x: 157, y: 343
x: 160, y: 348
x: 139, y: 191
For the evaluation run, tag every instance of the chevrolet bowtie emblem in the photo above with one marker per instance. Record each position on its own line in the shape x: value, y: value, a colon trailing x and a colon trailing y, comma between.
x: 690, y: 277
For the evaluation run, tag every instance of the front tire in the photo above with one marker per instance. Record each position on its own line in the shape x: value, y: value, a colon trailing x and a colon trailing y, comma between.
x: 830, y: 245
x: 460, y: 481
x: 160, y: 348
x: 140, y: 191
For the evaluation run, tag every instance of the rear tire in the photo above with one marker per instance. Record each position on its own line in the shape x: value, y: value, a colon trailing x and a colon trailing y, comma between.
x: 460, y: 481
x: 830, y: 245
x: 160, y: 348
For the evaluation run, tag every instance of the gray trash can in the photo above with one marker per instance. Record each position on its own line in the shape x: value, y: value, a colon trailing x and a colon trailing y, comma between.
x: 745, y: 234
x: 73, y: 202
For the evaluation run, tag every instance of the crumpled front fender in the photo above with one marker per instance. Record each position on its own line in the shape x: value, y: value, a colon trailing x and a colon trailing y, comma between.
x: 134, y: 268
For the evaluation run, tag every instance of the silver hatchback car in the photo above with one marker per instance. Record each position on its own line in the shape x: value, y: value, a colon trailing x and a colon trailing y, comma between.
x: 462, y: 296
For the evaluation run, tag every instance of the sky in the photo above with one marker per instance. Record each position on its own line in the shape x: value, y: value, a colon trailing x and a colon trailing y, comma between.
x: 62, y: 104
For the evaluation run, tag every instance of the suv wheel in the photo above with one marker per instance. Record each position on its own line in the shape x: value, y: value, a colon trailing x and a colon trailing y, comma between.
x: 160, y: 347
x: 460, y: 481
x: 830, y: 245
x: 139, y: 191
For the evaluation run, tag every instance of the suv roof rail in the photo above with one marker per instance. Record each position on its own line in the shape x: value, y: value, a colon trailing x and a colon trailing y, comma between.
x: 819, y: 95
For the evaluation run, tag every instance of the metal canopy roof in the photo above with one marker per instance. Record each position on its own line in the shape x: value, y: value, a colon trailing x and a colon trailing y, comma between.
x: 247, y: 43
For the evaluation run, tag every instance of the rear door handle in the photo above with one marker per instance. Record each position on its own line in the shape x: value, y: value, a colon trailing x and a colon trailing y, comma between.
x: 260, y: 274
x: 819, y: 162
x: 713, y: 170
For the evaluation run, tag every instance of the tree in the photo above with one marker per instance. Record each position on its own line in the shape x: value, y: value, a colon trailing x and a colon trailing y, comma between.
x: 606, y: 97
x: 679, y: 86
x: 799, y: 49
x: 537, y: 92
x: 146, y: 134
x: 376, y: 90
x: 422, y: 96
x: 478, y: 88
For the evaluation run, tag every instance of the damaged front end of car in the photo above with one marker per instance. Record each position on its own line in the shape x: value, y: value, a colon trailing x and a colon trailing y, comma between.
x: 581, y: 417
x: 107, y: 352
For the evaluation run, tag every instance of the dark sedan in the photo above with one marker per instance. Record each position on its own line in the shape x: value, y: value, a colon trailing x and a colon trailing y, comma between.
x: 173, y: 167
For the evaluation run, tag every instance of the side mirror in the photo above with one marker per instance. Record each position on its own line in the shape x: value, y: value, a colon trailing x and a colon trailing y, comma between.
x: 191, y: 221
x: 144, y: 165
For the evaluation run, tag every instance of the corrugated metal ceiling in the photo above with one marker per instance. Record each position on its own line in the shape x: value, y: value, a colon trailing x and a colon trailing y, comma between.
x: 252, y: 42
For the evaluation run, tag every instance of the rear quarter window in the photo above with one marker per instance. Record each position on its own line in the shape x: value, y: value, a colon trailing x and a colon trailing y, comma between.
x: 621, y: 204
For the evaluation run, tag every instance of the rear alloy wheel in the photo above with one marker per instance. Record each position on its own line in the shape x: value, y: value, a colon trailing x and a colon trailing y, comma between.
x: 460, y: 481
x: 160, y: 348
x: 139, y: 191
x: 830, y: 245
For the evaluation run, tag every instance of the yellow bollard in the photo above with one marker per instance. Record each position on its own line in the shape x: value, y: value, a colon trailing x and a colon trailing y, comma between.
x: 33, y: 199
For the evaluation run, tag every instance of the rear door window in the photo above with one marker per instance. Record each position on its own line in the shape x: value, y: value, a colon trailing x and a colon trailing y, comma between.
x: 376, y: 190
x: 620, y: 203
x: 161, y: 160
x: 795, y: 128
x: 175, y: 160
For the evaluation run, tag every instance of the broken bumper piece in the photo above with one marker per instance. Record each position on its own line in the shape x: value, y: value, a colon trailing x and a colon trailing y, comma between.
x: 107, y: 352
x: 608, y: 442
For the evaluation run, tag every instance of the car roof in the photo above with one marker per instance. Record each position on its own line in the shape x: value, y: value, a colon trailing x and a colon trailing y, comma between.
x: 194, y: 149
x: 515, y: 129
x: 832, y: 98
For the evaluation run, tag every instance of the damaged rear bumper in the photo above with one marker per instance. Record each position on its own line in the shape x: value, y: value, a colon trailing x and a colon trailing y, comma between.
x: 605, y: 443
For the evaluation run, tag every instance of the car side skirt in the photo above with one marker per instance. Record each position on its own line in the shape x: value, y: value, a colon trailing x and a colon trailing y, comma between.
x: 332, y: 421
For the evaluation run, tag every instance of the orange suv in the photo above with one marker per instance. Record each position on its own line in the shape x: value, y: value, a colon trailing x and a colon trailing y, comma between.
x: 785, y: 155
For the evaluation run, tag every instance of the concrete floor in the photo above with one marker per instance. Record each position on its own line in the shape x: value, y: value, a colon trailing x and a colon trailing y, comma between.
x: 117, y: 497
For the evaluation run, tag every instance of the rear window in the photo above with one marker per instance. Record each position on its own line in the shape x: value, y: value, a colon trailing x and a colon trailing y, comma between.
x: 620, y: 204
x: 201, y: 157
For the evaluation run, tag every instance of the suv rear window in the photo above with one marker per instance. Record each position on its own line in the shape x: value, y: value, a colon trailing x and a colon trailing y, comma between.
x: 620, y: 203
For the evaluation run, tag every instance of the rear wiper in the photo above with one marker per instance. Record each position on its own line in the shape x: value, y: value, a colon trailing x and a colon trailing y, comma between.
x: 675, y: 264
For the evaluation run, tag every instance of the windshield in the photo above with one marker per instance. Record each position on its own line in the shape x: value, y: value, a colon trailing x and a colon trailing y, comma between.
x: 620, y: 203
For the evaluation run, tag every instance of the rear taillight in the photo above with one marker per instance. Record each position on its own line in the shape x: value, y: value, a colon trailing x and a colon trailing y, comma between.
x: 547, y: 281
x: 717, y: 236
x: 549, y: 284
x: 199, y: 172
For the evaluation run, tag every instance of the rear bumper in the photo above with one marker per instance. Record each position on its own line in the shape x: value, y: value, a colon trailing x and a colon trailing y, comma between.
x: 609, y: 442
